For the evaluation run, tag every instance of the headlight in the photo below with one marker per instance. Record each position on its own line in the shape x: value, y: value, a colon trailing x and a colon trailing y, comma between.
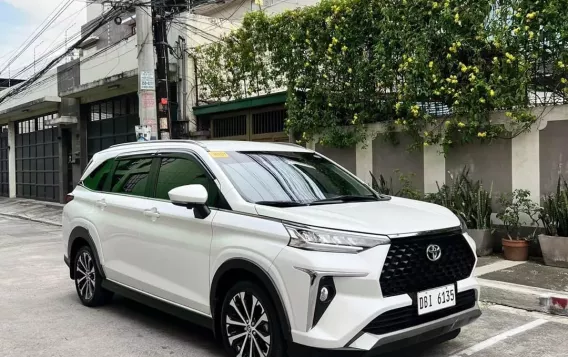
x: 463, y: 225
x: 324, y: 240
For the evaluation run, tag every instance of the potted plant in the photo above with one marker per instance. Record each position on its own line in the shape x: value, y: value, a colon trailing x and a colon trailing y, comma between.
x: 518, y: 211
x: 477, y: 208
x: 472, y: 203
x: 554, y: 217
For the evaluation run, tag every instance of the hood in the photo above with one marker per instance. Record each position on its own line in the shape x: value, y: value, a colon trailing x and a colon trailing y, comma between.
x: 397, y: 216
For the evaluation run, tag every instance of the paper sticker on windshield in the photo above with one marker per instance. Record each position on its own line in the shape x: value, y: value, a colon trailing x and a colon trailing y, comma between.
x: 218, y: 154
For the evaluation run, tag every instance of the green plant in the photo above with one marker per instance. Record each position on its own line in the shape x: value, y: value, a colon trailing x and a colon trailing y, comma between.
x: 406, y: 190
x: 516, y: 209
x: 554, y: 214
x: 466, y: 198
x: 348, y: 63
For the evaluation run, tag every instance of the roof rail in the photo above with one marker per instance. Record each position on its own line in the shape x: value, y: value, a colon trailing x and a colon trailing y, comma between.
x: 161, y: 141
x: 292, y: 144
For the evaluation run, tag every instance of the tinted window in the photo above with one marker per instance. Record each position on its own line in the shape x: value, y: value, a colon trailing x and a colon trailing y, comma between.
x: 299, y: 177
x: 96, y: 179
x: 131, y: 176
x: 176, y: 172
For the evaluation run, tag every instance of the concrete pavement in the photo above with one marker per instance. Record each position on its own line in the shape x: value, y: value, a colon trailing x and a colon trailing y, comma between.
x: 42, y: 316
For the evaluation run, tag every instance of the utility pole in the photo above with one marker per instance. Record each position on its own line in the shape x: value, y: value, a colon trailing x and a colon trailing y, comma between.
x: 146, y: 71
x: 162, y: 83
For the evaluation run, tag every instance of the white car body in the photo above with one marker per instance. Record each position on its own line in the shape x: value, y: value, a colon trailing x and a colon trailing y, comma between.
x: 162, y: 251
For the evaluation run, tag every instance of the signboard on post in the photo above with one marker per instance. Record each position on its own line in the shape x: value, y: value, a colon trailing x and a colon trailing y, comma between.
x: 147, y: 80
x: 143, y: 133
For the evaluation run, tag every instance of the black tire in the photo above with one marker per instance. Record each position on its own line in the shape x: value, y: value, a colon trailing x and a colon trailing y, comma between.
x: 88, y: 279
x: 255, y: 330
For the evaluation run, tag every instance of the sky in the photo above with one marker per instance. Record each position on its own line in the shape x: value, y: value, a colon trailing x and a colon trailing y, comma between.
x: 20, y: 18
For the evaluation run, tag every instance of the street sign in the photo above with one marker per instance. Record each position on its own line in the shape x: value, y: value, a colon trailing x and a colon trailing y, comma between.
x: 147, y: 80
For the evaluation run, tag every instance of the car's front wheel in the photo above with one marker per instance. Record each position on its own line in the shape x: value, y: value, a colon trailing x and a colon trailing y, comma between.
x: 88, y: 279
x: 249, y: 327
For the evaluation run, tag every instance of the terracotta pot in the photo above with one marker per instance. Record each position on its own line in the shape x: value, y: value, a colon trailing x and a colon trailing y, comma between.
x: 516, y: 250
x: 554, y: 250
x: 483, y: 241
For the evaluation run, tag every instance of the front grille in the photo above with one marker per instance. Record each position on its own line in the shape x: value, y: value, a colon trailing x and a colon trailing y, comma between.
x: 407, y: 268
x: 406, y: 317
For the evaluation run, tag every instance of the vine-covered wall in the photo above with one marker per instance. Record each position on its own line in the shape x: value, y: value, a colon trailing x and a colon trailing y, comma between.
x: 432, y: 69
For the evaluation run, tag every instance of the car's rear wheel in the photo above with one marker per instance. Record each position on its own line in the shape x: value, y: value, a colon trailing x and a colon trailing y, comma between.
x: 88, y: 279
x: 248, y: 323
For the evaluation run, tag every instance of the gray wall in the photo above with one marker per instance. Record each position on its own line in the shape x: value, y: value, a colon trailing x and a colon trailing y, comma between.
x: 344, y: 157
x: 490, y: 163
x: 553, y: 144
x: 68, y: 76
x: 387, y: 158
x: 110, y: 33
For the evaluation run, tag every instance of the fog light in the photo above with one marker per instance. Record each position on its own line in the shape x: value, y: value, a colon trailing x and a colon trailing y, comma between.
x: 324, y: 294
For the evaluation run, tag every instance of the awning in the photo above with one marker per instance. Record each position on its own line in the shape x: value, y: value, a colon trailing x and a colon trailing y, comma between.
x: 30, y: 109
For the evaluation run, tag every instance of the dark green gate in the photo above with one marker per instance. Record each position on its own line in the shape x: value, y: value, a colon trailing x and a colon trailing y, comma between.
x: 37, y: 159
x: 111, y: 121
x: 4, y: 175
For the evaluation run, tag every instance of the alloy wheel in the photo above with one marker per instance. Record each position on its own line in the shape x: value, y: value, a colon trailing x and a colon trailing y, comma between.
x: 85, y: 276
x: 247, y: 325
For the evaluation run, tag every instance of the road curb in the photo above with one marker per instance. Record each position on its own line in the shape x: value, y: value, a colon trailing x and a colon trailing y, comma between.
x: 555, y: 305
x: 524, y: 297
x: 38, y: 220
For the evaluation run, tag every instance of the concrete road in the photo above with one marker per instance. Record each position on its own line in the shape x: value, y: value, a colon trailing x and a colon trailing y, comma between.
x: 40, y: 315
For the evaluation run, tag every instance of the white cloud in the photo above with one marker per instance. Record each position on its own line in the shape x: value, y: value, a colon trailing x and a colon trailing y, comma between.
x: 36, y: 11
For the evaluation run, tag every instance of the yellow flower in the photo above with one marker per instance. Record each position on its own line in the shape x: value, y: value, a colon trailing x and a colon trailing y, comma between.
x: 307, y: 64
x: 482, y: 134
x: 397, y: 122
x: 457, y: 18
x: 458, y: 44
x: 531, y: 16
x: 461, y: 125
x: 561, y: 64
x: 449, y: 55
x: 425, y: 133
x: 347, y: 84
x: 334, y: 41
x: 397, y: 106
x: 491, y: 93
x: 434, y: 5
x: 344, y: 48
x: 563, y: 80
x: 457, y: 102
x: 447, y: 123
x: 472, y: 77
x: 350, y: 70
x: 508, y: 114
x: 509, y: 56
x: 531, y: 35
x: 463, y: 68
x: 431, y: 64
x: 482, y: 100
x: 426, y: 144
x: 325, y: 76
x: 355, y: 117
x: 404, y: 122
x: 329, y: 105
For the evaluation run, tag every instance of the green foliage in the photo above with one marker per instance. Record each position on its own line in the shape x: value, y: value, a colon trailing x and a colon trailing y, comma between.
x: 516, y: 207
x: 406, y: 189
x: 347, y: 63
x: 467, y: 199
x: 554, y: 214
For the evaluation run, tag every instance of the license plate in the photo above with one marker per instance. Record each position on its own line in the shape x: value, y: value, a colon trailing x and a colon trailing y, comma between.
x: 436, y: 299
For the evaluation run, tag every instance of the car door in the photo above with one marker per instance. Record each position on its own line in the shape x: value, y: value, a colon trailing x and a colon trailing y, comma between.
x: 177, y: 258
x: 124, y: 230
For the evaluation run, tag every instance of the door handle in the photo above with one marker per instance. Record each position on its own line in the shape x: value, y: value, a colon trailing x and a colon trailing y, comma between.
x: 152, y: 213
x: 101, y: 204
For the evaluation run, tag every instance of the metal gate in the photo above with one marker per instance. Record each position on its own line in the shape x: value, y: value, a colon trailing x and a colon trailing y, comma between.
x: 111, y: 122
x: 4, y: 176
x: 37, y: 159
x: 263, y: 124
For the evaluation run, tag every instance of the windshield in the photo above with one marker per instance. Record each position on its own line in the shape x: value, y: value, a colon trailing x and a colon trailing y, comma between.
x: 289, y: 177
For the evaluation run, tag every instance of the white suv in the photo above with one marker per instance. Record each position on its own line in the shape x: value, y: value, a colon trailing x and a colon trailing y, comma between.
x: 272, y: 246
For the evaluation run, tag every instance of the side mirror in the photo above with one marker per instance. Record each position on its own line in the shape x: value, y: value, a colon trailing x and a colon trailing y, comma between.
x: 191, y: 197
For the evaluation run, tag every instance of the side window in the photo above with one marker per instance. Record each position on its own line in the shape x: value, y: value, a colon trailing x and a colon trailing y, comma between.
x: 96, y: 179
x: 176, y: 172
x: 131, y: 176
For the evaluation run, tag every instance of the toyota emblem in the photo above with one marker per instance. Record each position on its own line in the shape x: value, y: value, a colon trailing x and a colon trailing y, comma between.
x: 433, y: 252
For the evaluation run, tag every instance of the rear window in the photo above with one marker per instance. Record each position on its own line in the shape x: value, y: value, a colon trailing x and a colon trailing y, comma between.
x: 131, y: 176
x: 96, y: 179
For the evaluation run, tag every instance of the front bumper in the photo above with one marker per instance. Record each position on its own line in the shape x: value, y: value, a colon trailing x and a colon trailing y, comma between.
x: 357, y: 300
x: 410, y: 336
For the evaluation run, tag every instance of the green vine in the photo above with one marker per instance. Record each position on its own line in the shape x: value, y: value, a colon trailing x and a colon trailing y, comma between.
x: 348, y: 63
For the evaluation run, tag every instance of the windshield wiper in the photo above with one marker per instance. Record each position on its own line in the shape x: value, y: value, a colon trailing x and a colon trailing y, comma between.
x: 346, y: 198
x: 281, y: 203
